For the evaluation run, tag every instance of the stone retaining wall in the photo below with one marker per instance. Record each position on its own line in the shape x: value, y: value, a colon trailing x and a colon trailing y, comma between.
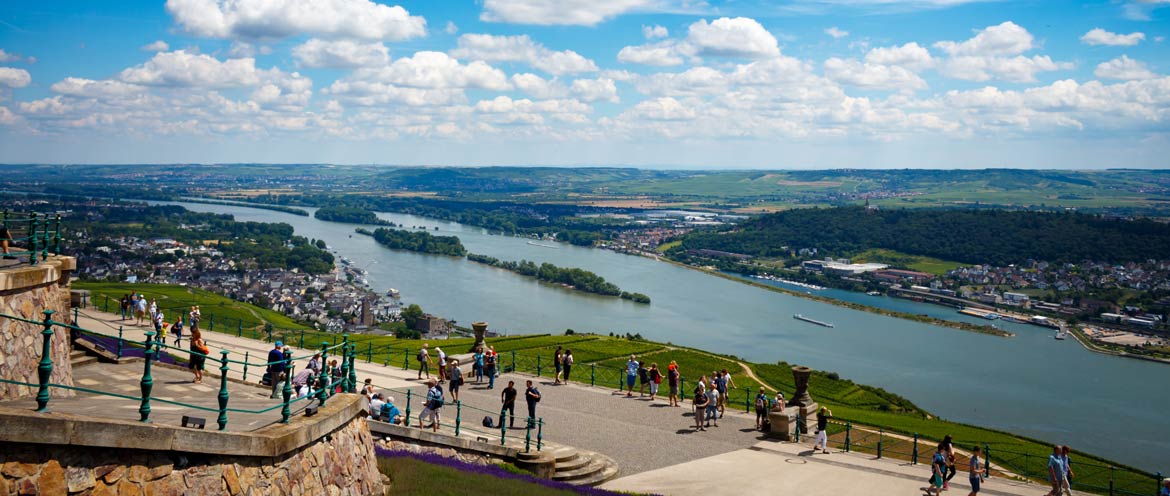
x: 341, y: 463
x: 26, y: 292
x: 465, y: 455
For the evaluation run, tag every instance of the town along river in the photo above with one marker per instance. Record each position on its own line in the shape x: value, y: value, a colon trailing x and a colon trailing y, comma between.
x: 1029, y: 384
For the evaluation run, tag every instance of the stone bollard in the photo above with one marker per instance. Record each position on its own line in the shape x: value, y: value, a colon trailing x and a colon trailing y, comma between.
x: 806, y: 412
x: 781, y: 427
x: 541, y: 464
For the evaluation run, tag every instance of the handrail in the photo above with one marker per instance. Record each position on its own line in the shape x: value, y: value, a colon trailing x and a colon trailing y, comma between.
x: 42, y: 232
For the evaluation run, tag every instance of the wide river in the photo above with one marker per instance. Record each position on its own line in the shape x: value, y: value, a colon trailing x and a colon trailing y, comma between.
x: 1029, y: 384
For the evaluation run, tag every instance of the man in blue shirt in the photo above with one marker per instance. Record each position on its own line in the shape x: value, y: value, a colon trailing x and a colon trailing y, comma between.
x: 1056, y: 470
x: 276, y: 367
x: 631, y: 375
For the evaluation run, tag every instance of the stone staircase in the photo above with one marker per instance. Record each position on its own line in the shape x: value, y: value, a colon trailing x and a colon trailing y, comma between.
x: 79, y: 358
x: 583, y: 468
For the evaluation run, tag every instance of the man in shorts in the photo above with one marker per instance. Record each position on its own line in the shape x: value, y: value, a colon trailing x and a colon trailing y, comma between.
x: 5, y: 238
x: 976, y: 472
x: 433, y: 405
x: 631, y: 376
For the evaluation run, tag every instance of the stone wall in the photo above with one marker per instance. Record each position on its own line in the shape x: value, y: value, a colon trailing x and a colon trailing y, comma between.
x: 466, y: 455
x: 341, y: 463
x: 26, y: 292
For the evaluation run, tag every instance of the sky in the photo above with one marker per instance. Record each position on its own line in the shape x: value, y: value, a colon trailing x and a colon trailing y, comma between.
x: 735, y: 84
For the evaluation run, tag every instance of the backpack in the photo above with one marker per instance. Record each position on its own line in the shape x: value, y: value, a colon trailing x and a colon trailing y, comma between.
x: 488, y: 422
x: 538, y: 395
x: 761, y: 403
x: 421, y: 355
x: 436, y: 403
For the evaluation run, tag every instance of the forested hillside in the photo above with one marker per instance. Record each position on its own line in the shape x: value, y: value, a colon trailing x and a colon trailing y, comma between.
x: 998, y: 237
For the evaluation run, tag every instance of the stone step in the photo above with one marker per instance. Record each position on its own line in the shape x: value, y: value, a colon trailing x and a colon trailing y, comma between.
x: 589, y: 469
x: 85, y: 360
x: 605, y: 475
x: 596, y: 469
x: 564, y: 454
x: 75, y: 354
x: 573, y: 463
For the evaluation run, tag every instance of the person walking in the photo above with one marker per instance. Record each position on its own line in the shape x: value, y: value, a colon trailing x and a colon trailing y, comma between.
x: 976, y: 477
x: 761, y: 408
x: 672, y: 377
x: 938, y: 469
x: 1056, y: 470
x: 532, y: 396
x: 1066, y: 485
x: 655, y: 380
x: 125, y: 305
x: 424, y: 362
x: 194, y: 317
x: 631, y: 376
x: 489, y: 367
x: 140, y: 311
x: 177, y: 327
x: 712, y: 406
x: 276, y: 367
x: 725, y: 383
x: 557, y: 357
x: 434, y: 404
x: 568, y: 365
x: 442, y: 364
x: 199, y: 351
x: 508, y: 400
x: 160, y: 328
x: 948, y: 448
x: 643, y: 378
x: 823, y: 417
x: 700, y: 405
x: 456, y: 376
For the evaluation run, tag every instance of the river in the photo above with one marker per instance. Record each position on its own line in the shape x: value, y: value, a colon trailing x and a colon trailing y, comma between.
x: 1029, y: 384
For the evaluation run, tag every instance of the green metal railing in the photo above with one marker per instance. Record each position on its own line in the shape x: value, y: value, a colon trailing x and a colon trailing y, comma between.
x: 38, y: 234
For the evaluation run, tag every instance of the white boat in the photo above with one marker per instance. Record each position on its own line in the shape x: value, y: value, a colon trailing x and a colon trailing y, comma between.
x: 1060, y: 335
x: 393, y: 293
x: 812, y: 321
x: 533, y: 243
x: 874, y: 293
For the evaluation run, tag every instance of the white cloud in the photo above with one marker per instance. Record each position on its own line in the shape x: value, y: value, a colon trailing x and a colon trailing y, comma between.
x: 836, y: 32
x: 558, y: 12
x: 521, y: 48
x: 14, y: 57
x: 872, y: 76
x: 660, y: 54
x: 655, y: 31
x: 12, y: 77
x: 727, y: 37
x: 1124, y: 68
x: 182, y: 68
x: 1018, y: 69
x: 89, y: 88
x: 7, y: 117
x: 341, y: 53
x: 157, y: 46
x: 911, y: 56
x: 435, y: 70
x: 592, y: 90
x: 663, y: 109
x: 451, y: 28
x: 538, y: 87
x: 269, y: 19
x: 1007, y: 38
x: 1098, y: 36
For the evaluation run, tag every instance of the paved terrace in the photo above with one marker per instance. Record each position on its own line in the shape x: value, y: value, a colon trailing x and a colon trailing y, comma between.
x: 654, y: 444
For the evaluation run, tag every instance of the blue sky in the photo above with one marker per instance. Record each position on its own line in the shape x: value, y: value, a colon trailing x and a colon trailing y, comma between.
x: 655, y: 83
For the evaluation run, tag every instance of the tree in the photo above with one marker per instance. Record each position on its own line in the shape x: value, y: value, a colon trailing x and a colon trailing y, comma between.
x: 411, y: 314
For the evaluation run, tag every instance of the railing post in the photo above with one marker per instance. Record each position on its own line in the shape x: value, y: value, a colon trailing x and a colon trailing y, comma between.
x: 48, y: 239
x: 986, y: 460
x: 881, y: 434
x: 386, y: 362
x: 302, y: 346
x: 352, y: 371
x: 592, y: 374
x: 1158, y: 482
x: 286, y: 411
x: 458, y: 416
x: 106, y: 306
x: 147, y: 383
x: 538, y: 364
x: 406, y: 359
x: 796, y: 436
x: 1025, y: 464
x: 406, y: 420
x: 345, y: 344
x: 57, y: 239
x: 528, y: 435
x: 32, y: 239
x: 119, y: 342
x: 914, y: 453
x: 240, y: 329
x: 747, y: 405
x: 539, y: 432
x: 223, y: 390
x: 75, y: 315
x: 849, y: 436
x: 323, y: 394
x: 503, y: 425
x: 269, y: 329
x: 246, y: 368
x: 513, y: 361
x: 45, y: 368
x: 211, y: 323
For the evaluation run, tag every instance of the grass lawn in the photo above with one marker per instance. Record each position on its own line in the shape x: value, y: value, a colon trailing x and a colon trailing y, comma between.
x: 173, y: 298
x: 913, y: 262
x: 411, y: 477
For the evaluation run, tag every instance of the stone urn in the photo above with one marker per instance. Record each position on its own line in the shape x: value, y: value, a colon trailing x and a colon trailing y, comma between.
x: 800, y: 375
x: 480, y: 329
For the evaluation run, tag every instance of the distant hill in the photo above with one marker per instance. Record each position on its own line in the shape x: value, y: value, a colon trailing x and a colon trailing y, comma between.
x: 998, y: 237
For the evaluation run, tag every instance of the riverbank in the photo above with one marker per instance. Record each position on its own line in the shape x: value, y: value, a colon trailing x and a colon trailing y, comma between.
x: 1088, y: 343
x: 963, y: 326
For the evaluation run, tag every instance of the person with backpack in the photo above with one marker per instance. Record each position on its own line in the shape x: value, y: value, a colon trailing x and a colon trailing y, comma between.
x: 700, y: 403
x: 643, y: 378
x: 655, y: 380
x: 389, y: 412
x: 489, y: 367
x: 568, y: 365
x: 532, y: 396
x: 948, y: 449
x: 456, y: 376
x: 938, y: 470
x: 276, y: 368
x: 672, y: 378
x: 424, y: 362
x: 761, y: 408
x: 177, y: 327
x: 433, y: 405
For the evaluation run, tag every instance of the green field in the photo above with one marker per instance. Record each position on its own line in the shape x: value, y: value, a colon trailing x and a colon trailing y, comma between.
x: 929, y: 265
x: 410, y: 477
x: 173, y: 298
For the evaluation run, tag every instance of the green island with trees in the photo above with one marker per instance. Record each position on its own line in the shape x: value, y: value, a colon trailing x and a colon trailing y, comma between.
x: 578, y: 279
x: 419, y: 241
x: 352, y: 215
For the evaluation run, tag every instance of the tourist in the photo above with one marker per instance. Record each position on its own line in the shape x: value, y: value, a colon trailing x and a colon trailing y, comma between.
x: 199, y: 351
x: 433, y: 405
x: 302, y: 381
x: 1165, y: 488
x: 194, y: 317
x: 568, y: 365
x: 489, y: 367
x: 557, y: 357
x: 728, y: 384
x: 276, y: 366
x: 643, y: 378
x: 508, y: 400
x: 178, y: 328
x: 5, y: 238
x: 1068, y: 473
x: 160, y: 327
x: 631, y: 376
x: 477, y: 364
x: 699, y: 403
x: 390, y: 412
x: 1056, y: 470
x: 532, y: 396
x: 672, y: 377
x: 375, y: 409
x: 761, y: 408
x: 153, y: 308
x: 456, y: 376
x: 140, y: 310
x: 938, y: 469
x: 315, y: 363
x: 442, y: 364
x: 336, y: 375
x: 655, y: 380
x: 948, y: 449
x: 424, y: 362
x: 125, y: 306
x: 712, y: 406
x: 823, y: 417
x: 976, y: 477
x: 368, y: 387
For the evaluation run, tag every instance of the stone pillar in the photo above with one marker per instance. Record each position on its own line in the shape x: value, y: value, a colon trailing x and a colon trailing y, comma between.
x: 25, y: 292
x: 807, y: 427
x: 480, y: 329
x: 781, y: 428
x: 801, y: 374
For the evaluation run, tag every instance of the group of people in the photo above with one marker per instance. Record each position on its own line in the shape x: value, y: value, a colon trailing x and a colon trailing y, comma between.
x: 381, y: 406
x: 942, y: 468
x: 563, y: 363
x: 1060, y: 472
